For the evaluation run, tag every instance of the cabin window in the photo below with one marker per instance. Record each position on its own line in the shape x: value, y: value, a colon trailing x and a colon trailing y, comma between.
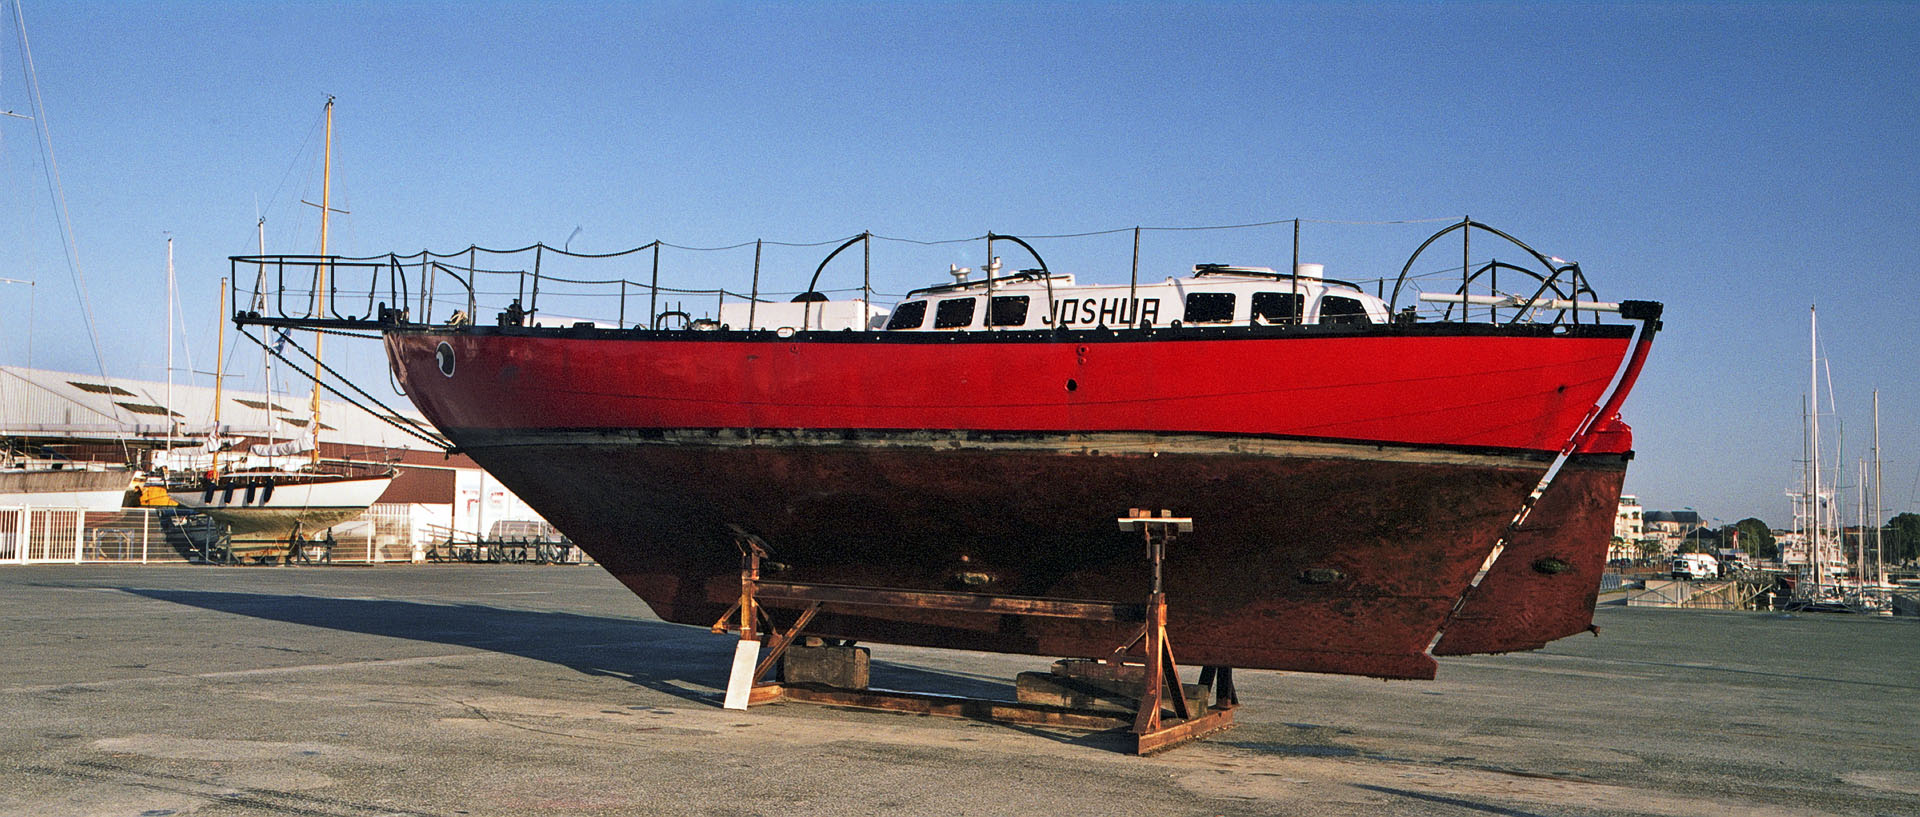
x: 1276, y: 307
x: 908, y: 316
x: 1007, y: 310
x: 953, y: 313
x: 1209, y: 307
x: 1342, y: 311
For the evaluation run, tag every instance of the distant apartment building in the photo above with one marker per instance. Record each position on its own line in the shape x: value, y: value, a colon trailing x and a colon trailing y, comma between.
x: 1629, y: 527
x: 1672, y: 528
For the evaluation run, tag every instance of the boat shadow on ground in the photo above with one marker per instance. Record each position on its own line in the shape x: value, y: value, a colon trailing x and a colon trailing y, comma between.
x: 670, y: 658
x: 690, y: 663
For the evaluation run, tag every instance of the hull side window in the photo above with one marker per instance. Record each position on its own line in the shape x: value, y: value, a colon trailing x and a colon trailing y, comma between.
x: 1276, y: 307
x: 908, y: 316
x: 953, y: 313
x: 1209, y: 307
x: 1007, y: 310
x: 1338, y: 311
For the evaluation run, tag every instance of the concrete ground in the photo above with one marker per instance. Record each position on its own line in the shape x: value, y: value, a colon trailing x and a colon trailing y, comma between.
x: 508, y: 690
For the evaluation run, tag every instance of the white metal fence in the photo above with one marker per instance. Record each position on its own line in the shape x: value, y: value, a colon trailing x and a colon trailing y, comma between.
x: 385, y: 533
x: 31, y: 535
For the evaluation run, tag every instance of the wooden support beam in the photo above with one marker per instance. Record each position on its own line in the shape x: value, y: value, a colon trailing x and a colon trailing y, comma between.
x: 799, y: 595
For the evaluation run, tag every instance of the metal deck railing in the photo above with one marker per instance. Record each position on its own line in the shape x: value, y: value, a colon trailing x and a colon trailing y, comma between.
x: 547, y: 286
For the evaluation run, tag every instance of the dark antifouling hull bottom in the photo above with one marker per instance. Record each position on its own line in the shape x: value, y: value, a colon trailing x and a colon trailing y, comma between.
x: 1346, y: 563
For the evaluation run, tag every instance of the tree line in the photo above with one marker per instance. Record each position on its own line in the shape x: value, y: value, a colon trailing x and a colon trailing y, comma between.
x: 1902, y: 538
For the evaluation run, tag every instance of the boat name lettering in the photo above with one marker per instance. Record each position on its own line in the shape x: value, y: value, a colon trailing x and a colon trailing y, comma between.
x: 1107, y: 311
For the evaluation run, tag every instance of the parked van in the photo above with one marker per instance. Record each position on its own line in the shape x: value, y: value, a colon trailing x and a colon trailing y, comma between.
x: 1695, y: 566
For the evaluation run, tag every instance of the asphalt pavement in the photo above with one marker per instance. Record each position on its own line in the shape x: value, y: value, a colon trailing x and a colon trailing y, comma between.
x: 510, y: 690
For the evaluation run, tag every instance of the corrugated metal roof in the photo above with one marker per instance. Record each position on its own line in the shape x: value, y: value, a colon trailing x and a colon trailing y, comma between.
x: 40, y: 402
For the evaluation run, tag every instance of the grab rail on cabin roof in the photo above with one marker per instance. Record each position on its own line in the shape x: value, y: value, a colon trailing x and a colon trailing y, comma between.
x: 1563, y: 278
x: 1228, y: 269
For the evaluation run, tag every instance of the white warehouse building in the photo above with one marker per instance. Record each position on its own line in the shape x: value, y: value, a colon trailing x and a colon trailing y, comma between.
x: 68, y: 420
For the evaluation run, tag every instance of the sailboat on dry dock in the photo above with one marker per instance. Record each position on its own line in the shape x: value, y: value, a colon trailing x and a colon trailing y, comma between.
x: 56, y: 482
x: 944, y: 464
x: 268, y: 503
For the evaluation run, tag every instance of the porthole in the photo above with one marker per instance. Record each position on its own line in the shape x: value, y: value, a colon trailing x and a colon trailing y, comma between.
x: 444, y: 357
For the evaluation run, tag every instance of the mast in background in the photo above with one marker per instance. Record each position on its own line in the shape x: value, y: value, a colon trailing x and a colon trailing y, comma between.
x: 1879, y: 525
x: 219, y: 373
x: 171, y: 427
x: 320, y: 281
x: 1816, y: 550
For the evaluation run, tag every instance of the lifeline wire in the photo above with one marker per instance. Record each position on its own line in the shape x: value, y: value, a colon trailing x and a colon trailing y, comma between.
x: 427, y: 254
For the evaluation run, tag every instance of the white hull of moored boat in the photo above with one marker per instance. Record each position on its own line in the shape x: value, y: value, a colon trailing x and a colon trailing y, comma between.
x: 275, y: 510
x: 94, y: 489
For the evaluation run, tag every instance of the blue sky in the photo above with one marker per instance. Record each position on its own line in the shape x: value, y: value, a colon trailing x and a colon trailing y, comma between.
x: 1736, y: 161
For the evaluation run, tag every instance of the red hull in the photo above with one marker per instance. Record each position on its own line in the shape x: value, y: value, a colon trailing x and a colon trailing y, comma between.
x: 1545, y: 583
x: 1525, y: 391
x: 1345, y: 487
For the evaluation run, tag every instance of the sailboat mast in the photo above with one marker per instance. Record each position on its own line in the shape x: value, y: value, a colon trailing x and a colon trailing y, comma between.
x: 260, y: 270
x: 1801, y: 503
x: 1860, y: 531
x: 169, y: 407
x: 219, y: 372
x: 266, y: 360
x: 320, y: 292
x: 1879, y: 551
x: 1816, y: 558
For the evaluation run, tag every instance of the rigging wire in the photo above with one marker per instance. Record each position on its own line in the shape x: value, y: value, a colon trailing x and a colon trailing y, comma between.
x: 273, y: 200
x: 51, y: 169
x: 314, y: 129
x: 745, y: 244
x: 411, y: 427
x: 180, y: 320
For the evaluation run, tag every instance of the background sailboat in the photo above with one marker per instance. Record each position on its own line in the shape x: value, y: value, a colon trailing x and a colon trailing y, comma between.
x: 1822, y: 583
x: 35, y: 470
x: 267, y: 503
x: 57, y: 482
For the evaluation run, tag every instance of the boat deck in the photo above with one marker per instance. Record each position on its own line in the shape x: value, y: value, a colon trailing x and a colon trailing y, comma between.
x: 447, y: 689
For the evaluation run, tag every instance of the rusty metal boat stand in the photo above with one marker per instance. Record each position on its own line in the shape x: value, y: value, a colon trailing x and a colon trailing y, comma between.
x: 1152, y: 729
